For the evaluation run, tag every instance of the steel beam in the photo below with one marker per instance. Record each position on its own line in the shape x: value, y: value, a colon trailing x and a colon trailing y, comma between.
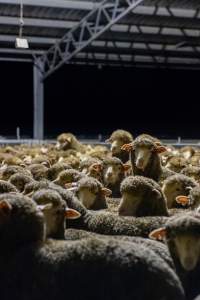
x: 32, y: 39
x: 38, y: 102
x: 141, y: 51
x: 149, y: 38
x: 37, y: 22
x: 12, y: 59
x: 64, y: 4
x: 138, y: 63
x: 85, y: 32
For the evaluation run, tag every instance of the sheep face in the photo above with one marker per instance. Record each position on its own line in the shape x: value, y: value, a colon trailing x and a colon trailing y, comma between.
x: 172, y: 190
x: 86, y: 197
x: 182, y: 236
x: 188, y: 250
x: 54, y: 217
x: 187, y: 154
x: 95, y: 170
x: 64, y: 141
x: 176, y: 164
x: 63, y: 146
x: 112, y: 173
x: 143, y: 156
x: 116, y: 146
x: 129, y: 204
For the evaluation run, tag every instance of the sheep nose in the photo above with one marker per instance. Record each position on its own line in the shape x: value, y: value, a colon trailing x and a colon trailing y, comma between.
x: 189, y: 263
x: 109, y: 174
x: 140, y: 162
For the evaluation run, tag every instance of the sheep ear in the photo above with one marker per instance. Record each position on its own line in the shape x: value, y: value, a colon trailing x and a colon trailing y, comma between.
x: 5, y: 208
x: 56, y: 180
x: 45, y: 207
x: 72, y: 214
x: 69, y: 139
x: 126, y: 167
x: 106, y: 192
x: 183, y: 200
x: 160, y: 149
x: 127, y: 147
x: 158, y: 234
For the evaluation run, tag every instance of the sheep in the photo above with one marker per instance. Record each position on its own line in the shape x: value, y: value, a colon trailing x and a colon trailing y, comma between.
x: 148, y: 137
x: 92, y: 194
x: 195, y: 159
x: 68, y: 176
x: 108, y: 223
x: 145, y: 159
x: 192, y: 200
x: 10, y: 170
x: 182, y: 236
x: 19, y: 180
x: 67, y: 141
x: 187, y: 152
x: 41, y: 159
x: 92, y: 167
x: 142, y: 196
x: 96, y: 171
x: 7, y: 187
x: 10, y: 159
x: 86, y: 163
x: 33, y: 186
x: 192, y: 171
x: 113, y: 173
x: 159, y: 248
x: 35, y: 268
x: 176, y: 163
x: 177, y: 185
x: 38, y: 171
x: 54, y: 213
x: 18, y: 214
x: 55, y: 169
x: 99, y: 152
x: 117, y: 139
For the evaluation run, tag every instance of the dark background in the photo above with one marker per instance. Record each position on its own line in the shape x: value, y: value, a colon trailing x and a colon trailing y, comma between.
x: 90, y: 101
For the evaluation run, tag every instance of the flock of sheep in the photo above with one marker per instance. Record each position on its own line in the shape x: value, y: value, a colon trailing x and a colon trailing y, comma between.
x: 88, y: 222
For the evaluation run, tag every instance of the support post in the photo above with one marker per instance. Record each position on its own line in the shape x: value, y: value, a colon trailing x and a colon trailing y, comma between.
x: 38, y: 102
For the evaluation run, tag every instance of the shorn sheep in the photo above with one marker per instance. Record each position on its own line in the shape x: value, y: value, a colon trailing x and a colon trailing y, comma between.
x: 79, y: 269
